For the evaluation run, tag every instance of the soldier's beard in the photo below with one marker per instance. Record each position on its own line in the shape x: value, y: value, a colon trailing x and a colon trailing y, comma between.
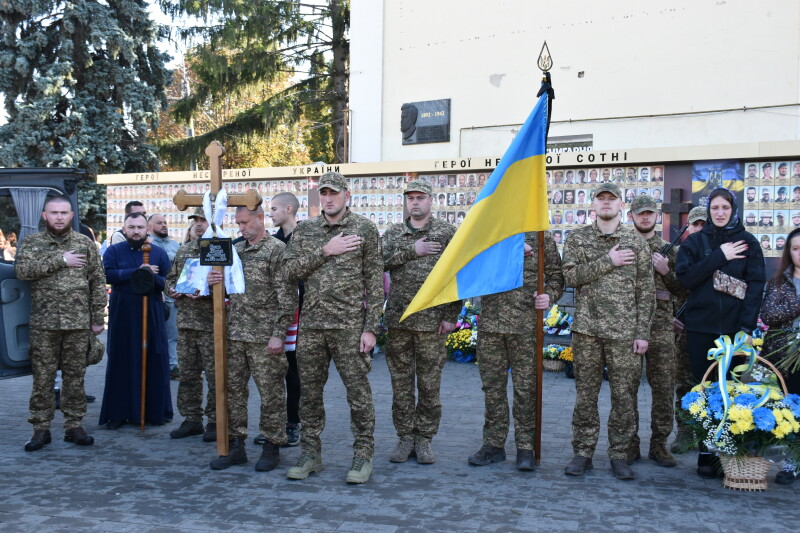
x: 604, y: 216
x: 136, y: 244
x: 57, y: 232
x: 644, y: 229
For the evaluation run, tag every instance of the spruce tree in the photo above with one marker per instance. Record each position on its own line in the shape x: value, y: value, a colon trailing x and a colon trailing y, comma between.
x: 83, y: 82
x: 266, y: 39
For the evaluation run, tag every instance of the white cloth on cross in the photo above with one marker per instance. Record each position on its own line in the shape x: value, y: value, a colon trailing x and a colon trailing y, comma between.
x: 234, y: 275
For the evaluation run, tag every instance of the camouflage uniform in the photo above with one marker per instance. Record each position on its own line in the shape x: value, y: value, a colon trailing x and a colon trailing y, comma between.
x: 614, y: 306
x: 414, y: 348
x: 65, y: 303
x: 507, y: 339
x: 336, y: 311
x: 660, y: 356
x: 264, y: 310
x: 195, y: 323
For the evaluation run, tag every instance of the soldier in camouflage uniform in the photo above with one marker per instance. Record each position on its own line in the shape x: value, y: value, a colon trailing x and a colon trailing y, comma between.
x: 257, y: 322
x: 338, y: 255
x: 195, y: 322
x: 67, y: 300
x: 660, y: 356
x: 507, y: 339
x: 611, y: 268
x: 415, y: 349
x: 684, y: 379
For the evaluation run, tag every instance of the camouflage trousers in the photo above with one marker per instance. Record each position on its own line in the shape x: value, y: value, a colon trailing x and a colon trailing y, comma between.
x: 268, y: 371
x: 660, y: 370
x: 497, y: 352
x: 591, y: 354
x: 195, y: 354
x: 420, y: 355
x: 49, y: 351
x: 315, y: 350
x: 684, y: 379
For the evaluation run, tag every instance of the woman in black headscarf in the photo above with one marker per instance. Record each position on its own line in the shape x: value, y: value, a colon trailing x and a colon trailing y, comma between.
x: 722, y: 248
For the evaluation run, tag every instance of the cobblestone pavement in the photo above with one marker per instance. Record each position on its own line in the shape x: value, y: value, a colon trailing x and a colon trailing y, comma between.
x: 134, y: 481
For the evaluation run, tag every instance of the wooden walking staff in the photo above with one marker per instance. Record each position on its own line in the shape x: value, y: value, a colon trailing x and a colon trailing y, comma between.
x: 251, y: 199
x: 145, y: 303
x: 545, y: 63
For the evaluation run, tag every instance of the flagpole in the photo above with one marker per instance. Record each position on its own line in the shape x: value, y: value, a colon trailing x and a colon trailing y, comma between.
x: 545, y: 63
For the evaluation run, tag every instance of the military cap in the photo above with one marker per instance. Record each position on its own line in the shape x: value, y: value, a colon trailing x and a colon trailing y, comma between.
x: 783, y: 165
x: 95, y: 352
x: 642, y: 203
x: 766, y: 165
x: 198, y: 213
x: 697, y: 213
x: 613, y: 188
x: 782, y: 190
x: 419, y: 186
x: 332, y: 180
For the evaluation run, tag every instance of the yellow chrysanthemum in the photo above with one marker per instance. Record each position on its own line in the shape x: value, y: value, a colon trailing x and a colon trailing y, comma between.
x: 775, y: 394
x: 778, y: 414
x: 740, y: 388
x: 782, y: 429
x: 703, y: 413
x: 694, y: 409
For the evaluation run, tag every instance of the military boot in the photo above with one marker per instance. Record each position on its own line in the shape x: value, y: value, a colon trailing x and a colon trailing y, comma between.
x: 422, y: 448
x: 360, y: 470
x: 41, y: 438
x: 78, y: 436
x: 269, y: 457
x: 684, y: 440
x: 210, y: 434
x: 487, y: 455
x: 403, y: 450
x: 525, y: 460
x: 661, y: 455
x: 578, y: 466
x: 306, y: 464
x: 187, y: 429
x: 633, y: 455
x: 236, y: 456
x: 621, y: 469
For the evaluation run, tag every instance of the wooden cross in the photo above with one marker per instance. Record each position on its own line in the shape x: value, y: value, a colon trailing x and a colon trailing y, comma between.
x: 675, y: 208
x: 251, y: 200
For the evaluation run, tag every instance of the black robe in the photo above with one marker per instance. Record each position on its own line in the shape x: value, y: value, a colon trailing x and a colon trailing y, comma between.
x: 122, y: 394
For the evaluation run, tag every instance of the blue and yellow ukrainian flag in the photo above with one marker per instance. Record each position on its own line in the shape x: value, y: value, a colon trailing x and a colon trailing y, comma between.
x: 486, y: 253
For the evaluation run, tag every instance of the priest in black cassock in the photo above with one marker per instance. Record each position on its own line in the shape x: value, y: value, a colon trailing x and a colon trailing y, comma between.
x: 122, y: 394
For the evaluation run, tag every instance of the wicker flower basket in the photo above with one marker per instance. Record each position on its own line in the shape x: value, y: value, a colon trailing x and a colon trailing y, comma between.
x: 749, y: 472
x: 553, y: 365
x: 745, y: 473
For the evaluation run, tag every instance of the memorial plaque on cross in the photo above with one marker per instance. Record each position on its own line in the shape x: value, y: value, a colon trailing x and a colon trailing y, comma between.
x: 251, y: 199
x: 674, y: 209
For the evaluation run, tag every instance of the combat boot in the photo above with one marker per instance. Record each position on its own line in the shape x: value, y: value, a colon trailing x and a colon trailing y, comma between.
x: 306, y: 464
x: 360, y: 470
x: 403, y: 450
x: 525, y: 460
x: 578, y: 466
x: 236, y: 456
x: 422, y: 448
x: 78, y: 436
x: 269, y: 457
x: 487, y: 455
x: 210, y: 434
x: 187, y: 429
x: 41, y: 438
x: 661, y: 456
x: 684, y: 440
x: 621, y: 469
x: 292, y: 434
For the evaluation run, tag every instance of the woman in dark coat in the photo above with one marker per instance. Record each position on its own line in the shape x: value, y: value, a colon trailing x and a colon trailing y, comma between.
x: 781, y: 312
x: 724, y: 245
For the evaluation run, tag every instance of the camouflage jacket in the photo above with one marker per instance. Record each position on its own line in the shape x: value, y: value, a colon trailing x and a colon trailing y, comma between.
x: 611, y: 302
x: 343, y: 291
x: 197, y: 314
x: 408, y: 272
x: 267, y: 306
x: 662, y: 319
x: 514, y: 311
x: 62, y: 297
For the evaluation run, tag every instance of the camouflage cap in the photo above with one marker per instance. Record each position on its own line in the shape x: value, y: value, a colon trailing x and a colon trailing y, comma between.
x: 419, y: 186
x: 333, y: 181
x: 198, y: 213
x: 613, y: 188
x: 642, y: 203
x: 697, y: 213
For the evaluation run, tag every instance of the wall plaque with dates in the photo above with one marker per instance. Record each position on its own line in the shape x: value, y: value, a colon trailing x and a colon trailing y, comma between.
x: 425, y: 122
